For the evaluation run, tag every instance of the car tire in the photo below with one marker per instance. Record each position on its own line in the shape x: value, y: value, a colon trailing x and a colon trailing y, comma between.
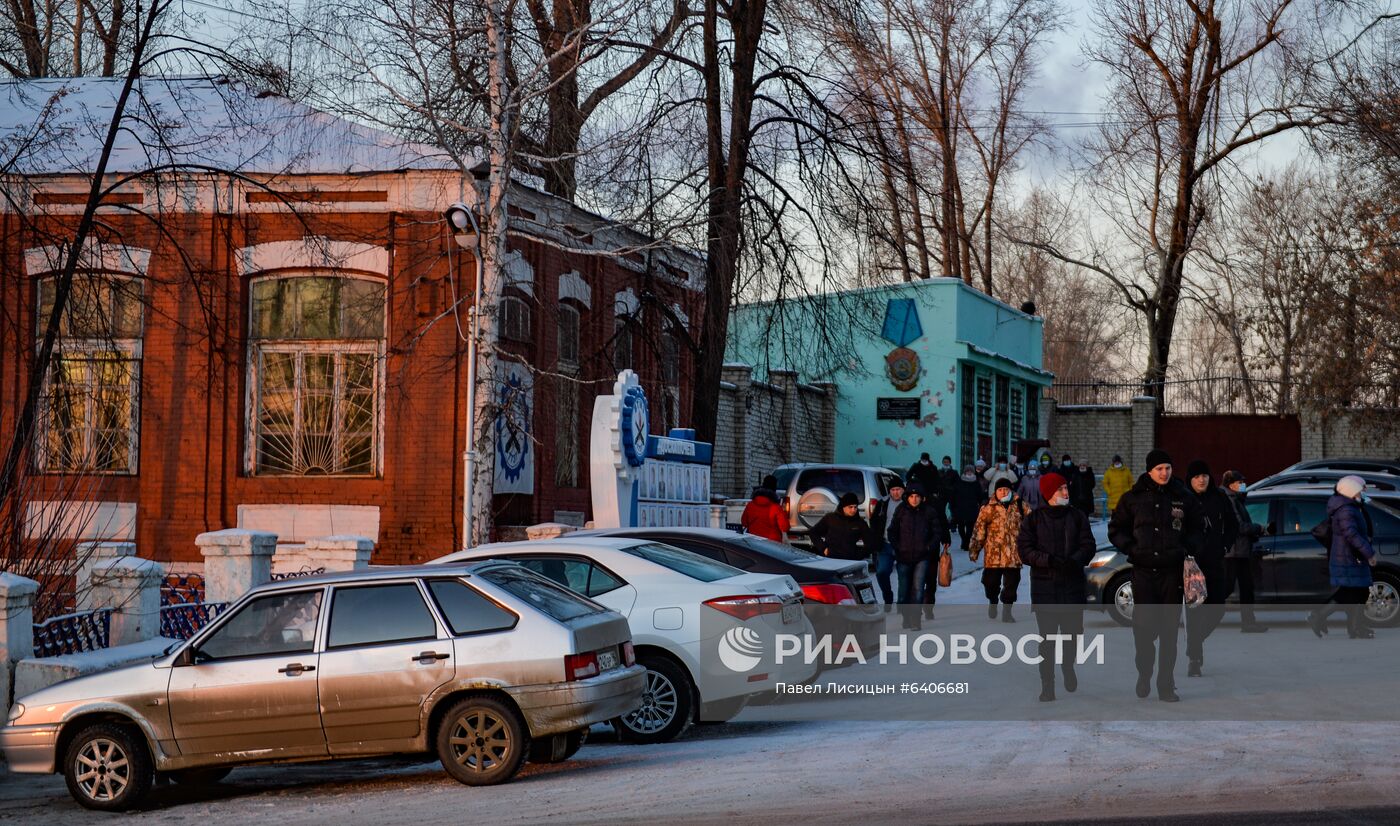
x: 1383, y: 607
x: 668, y: 704
x: 108, y: 768
x: 1116, y: 602
x: 557, y: 748
x: 481, y: 741
x: 199, y: 777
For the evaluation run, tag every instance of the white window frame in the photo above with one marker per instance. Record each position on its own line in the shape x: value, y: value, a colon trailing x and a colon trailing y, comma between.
x: 526, y: 313
x: 334, y: 346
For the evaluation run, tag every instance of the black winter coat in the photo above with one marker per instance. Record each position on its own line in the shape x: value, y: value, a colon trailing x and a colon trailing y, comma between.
x: 1081, y: 489
x: 1249, y: 529
x: 968, y: 499
x: 1056, y: 543
x: 1156, y: 526
x: 840, y: 536
x: 918, y: 533
x: 925, y: 476
x: 1222, y: 525
x: 948, y: 481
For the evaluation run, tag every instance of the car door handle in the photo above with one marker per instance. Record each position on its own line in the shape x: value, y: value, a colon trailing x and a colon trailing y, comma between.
x: 429, y: 656
x: 293, y: 669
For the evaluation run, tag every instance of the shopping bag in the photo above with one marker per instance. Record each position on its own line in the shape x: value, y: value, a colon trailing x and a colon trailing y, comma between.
x: 945, y: 569
x: 1194, y: 582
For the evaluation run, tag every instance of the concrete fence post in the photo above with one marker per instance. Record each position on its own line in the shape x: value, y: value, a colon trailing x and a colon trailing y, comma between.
x: 130, y: 586
x: 16, y: 628
x: 1144, y: 430
x: 338, y: 553
x: 235, y: 560
x: 92, y: 554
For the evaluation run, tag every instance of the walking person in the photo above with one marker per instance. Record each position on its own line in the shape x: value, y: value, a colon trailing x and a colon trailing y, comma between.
x: 918, y: 534
x: 1222, y: 528
x: 763, y: 516
x: 998, y: 524
x: 1156, y: 526
x: 1117, y: 480
x: 1001, y: 470
x: 947, y: 480
x: 842, y: 534
x: 1350, y: 558
x: 1055, y: 541
x: 923, y: 474
x: 1240, y: 560
x: 967, y: 503
x: 982, y: 478
x: 880, y: 519
x: 1029, y: 487
x: 1081, y: 488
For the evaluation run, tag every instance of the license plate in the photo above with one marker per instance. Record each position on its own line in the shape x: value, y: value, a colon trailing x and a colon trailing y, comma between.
x: 791, y: 613
x: 867, y: 595
x: 607, y: 660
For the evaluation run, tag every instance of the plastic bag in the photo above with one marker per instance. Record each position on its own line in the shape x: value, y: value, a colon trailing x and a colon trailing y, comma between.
x: 1194, y: 581
x: 945, y: 570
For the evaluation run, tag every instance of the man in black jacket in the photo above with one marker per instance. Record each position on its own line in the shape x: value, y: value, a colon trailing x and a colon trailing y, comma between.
x: 919, y: 534
x: 842, y: 534
x: 1222, y: 528
x: 1157, y: 525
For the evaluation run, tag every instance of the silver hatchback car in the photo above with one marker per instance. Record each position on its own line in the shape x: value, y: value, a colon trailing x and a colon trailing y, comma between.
x: 484, y: 664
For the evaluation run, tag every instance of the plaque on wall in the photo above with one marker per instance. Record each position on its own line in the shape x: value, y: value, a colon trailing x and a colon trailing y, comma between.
x: 906, y: 407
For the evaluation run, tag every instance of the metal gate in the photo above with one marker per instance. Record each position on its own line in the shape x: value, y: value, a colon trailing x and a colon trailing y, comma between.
x: 1254, y: 445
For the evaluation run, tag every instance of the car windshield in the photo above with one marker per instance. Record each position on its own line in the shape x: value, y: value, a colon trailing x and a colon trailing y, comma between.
x: 773, y: 550
x: 839, y: 481
x: 554, y: 600
x: 784, y: 477
x: 683, y: 562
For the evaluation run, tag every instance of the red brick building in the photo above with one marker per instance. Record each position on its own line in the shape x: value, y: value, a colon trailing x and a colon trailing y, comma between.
x: 284, y: 347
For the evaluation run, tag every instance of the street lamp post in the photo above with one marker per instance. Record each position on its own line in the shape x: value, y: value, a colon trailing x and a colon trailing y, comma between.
x: 467, y: 234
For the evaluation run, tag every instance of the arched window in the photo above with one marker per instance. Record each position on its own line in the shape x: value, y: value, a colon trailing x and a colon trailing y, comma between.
x: 515, y: 319
x: 566, y: 424
x: 317, y: 343
x: 89, y: 411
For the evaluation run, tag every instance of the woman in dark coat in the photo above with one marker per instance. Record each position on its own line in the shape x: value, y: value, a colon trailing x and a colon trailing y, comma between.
x: 1349, y: 560
x: 968, y: 498
x: 1056, y: 543
x: 841, y: 534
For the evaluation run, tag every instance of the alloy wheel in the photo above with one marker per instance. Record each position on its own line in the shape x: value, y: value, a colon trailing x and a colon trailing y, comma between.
x: 1384, y: 603
x: 1123, y: 599
x: 480, y: 741
x: 658, y: 708
x: 103, y: 771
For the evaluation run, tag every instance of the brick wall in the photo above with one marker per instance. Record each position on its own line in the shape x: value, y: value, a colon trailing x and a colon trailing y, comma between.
x: 763, y: 425
x: 1351, y: 433
x: 1097, y: 432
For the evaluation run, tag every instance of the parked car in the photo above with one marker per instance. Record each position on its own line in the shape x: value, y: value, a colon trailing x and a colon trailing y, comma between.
x: 810, y: 491
x: 839, y: 593
x: 1350, y: 465
x: 663, y: 590
x: 1293, y: 566
x: 483, y: 665
x: 1378, y: 483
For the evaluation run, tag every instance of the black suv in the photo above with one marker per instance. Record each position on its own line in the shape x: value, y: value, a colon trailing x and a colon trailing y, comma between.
x: 1292, y: 565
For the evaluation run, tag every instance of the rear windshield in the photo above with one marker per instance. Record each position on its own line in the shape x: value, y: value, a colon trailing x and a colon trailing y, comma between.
x: 784, y: 478
x: 773, y: 550
x: 836, y: 480
x: 683, y: 562
x: 556, y: 601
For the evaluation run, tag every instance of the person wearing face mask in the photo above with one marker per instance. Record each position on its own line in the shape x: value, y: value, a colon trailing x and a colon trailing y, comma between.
x: 1055, y: 541
x: 947, y: 479
x: 1002, y: 470
x: 1081, y: 488
x: 1222, y: 529
x: 1350, y: 557
x: 1240, y: 559
x: 1046, y: 462
x: 1156, y: 526
x: 967, y: 501
x: 923, y: 474
x: 842, y: 534
x: 981, y: 467
x: 1117, y: 480
x: 1029, y: 487
x: 998, y: 524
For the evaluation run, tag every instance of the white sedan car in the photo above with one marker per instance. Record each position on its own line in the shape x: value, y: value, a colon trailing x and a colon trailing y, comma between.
x: 678, y: 604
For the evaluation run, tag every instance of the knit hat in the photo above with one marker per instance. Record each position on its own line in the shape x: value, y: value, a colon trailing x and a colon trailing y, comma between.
x: 770, y: 481
x: 1197, y: 468
x: 1231, y: 477
x: 1117, y: 458
x: 1049, y: 483
x: 914, y: 489
x: 847, y: 499
x: 1002, y: 482
x: 1350, y: 486
x: 896, y: 482
x: 1156, y: 456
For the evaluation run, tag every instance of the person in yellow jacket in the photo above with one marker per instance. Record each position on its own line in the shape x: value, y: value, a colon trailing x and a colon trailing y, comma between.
x: 1117, y: 480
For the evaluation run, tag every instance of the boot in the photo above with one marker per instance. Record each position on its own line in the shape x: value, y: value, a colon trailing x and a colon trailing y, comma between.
x: 1144, y: 686
x: 1356, y: 624
x: 1317, y: 621
x: 1006, y: 612
x: 1071, y: 679
x: 1194, y: 668
x: 992, y: 610
x: 928, y: 612
x: 1167, y: 695
x: 1248, y: 624
x: 1047, y: 692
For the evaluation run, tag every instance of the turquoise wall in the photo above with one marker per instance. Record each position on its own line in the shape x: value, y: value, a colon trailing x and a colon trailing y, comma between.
x: 837, y: 337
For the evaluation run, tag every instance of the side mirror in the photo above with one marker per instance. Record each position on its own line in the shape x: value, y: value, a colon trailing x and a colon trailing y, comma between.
x: 185, y: 657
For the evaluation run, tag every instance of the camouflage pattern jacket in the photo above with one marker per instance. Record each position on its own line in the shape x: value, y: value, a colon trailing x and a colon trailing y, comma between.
x: 995, y: 532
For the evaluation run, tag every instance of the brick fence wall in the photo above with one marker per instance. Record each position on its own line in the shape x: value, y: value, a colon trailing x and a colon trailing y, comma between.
x: 1097, y: 432
x: 1351, y: 433
x: 766, y: 424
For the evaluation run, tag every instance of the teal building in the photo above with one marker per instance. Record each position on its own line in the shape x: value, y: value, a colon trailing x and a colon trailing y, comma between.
x: 930, y: 365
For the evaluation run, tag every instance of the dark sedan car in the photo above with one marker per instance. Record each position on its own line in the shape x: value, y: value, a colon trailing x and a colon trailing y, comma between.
x: 842, y: 588
x: 1292, y: 566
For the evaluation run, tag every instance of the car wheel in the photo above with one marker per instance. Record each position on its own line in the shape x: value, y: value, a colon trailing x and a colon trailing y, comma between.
x: 108, y: 768
x: 1383, y: 607
x: 557, y: 748
x: 481, y: 741
x: 200, y: 777
x: 1119, y: 599
x: 667, y: 704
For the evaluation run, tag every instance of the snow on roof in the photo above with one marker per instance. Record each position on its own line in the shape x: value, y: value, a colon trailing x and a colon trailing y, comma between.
x: 57, y: 126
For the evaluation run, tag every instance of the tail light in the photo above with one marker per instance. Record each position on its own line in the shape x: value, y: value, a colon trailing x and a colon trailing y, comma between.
x: 870, y: 509
x: 787, y: 506
x: 629, y: 654
x: 581, y: 666
x: 829, y: 594
x: 747, y: 607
